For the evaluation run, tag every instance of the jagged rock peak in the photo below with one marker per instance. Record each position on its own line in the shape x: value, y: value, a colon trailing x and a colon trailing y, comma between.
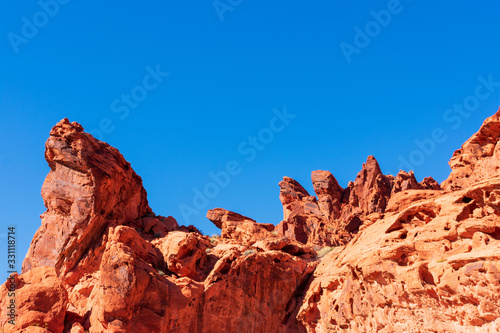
x: 405, y: 181
x: 329, y: 193
x: 219, y: 215
x: 369, y: 172
x: 90, y: 184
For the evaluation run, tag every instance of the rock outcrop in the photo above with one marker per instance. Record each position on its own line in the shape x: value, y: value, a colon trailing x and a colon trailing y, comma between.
x: 103, y: 262
x: 90, y: 185
x: 329, y: 193
x: 479, y: 157
x: 431, y: 267
x: 385, y: 254
x: 336, y: 214
x: 40, y: 300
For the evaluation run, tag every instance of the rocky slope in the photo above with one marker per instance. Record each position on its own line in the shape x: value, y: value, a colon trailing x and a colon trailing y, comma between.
x: 385, y: 254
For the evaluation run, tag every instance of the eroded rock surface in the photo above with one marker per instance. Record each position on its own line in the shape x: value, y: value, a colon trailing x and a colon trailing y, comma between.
x: 385, y: 254
x: 432, y: 267
x: 90, y: 185
x: 103, y: 262
x: 336, y: 214
x: 40, y: 300
x: 479, y: 157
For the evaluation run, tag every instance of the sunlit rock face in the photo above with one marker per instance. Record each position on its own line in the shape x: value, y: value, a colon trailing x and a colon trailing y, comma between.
x: 385, y: 254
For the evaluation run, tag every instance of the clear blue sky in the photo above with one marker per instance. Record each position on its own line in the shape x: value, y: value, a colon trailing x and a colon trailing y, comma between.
x: 352, y: 94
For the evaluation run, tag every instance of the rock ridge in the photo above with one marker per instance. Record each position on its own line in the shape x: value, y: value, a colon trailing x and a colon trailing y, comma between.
x: 385, y: 254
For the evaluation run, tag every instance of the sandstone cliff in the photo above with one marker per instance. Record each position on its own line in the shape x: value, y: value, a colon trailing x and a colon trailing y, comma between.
x: 384, y: 254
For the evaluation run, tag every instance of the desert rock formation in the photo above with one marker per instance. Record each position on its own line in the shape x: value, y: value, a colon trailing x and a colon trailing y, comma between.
x: 385, y: 254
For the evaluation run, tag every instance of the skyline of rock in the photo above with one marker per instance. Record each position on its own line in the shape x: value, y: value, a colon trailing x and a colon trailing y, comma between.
x: 386, y: 253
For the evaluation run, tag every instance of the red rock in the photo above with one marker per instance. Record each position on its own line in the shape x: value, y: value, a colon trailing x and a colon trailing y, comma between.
x: 405, y: 181
x: 158, y: 226
x: 370, y: 191
x: 295, y: 228
x: 40, y: 301
x: 291, y: 190
x: 302, y: 216
x: 185, y: 254
x: 240, y: 228
x: 77, y: 328
x: 385, y: 254
x: 245, y: 232
x: 148, y: 223
x: 479, y: 157
x: 286, y: 245
x: 142, y: 248
x: 404, y: 199
x: 338, y: 214
x: 220, y: 215
x: 329, y: 193
x: 89, y: 183
x: 249, y: 298
x: 430, y: 184
x: 413, y: 257
x: 352, y: 222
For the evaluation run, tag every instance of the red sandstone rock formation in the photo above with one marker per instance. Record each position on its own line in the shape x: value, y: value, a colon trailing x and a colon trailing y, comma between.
x: 433, y: 266
x: 336, y: 214
x: 90, y: 185
x: 329, y: 193
x: 103, y: 262
x: 41, y: 302
x: 479, y: 157
x: 408, y: 256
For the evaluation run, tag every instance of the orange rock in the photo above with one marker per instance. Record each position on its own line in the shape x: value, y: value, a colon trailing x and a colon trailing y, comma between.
x: 479, y: 157
x: 40, y: 302
x: 89, y: 183
x: 303, y: 219
x: 77, y: 328
x: 404, y: 199
x: 329, y: 193
x: 385, y: 254
x: 185, y: 254
x: 370, y: 191
x: 286, y: 245
x: 249, y: 298
x: 430, y: 184
x: 405, y: 181
x: 338, y: 214
x: 220, y: 215
x: 411, y: 270
x: 239, y: 228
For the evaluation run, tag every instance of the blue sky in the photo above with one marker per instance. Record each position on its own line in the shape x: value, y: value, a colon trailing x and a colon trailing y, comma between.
x: 400, y: 80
